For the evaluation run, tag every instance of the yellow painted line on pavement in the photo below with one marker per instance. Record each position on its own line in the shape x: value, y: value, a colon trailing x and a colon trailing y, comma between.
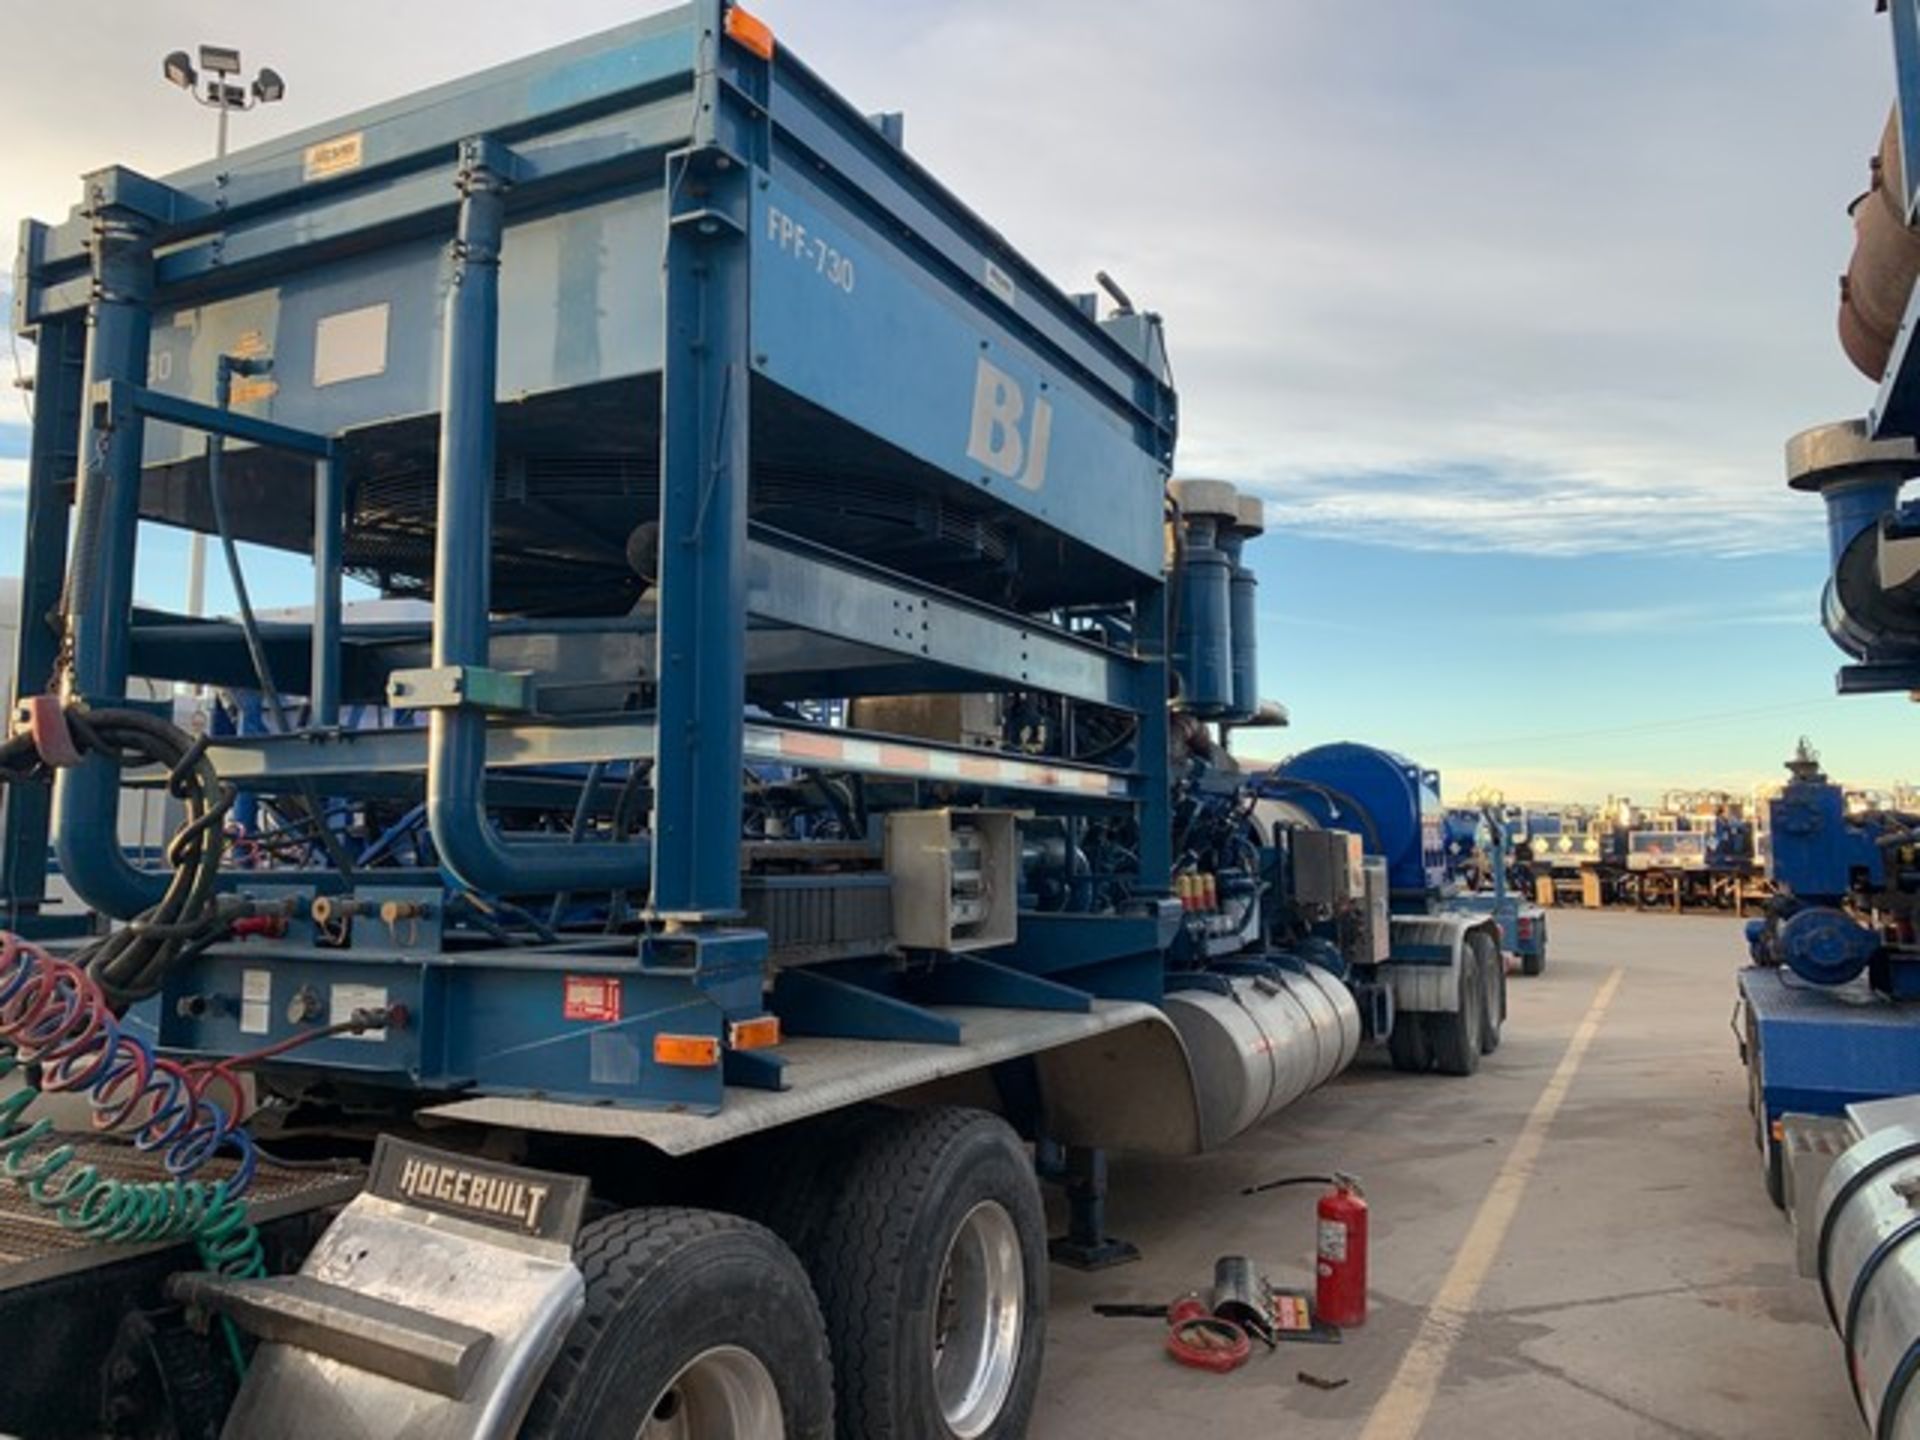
x: 1403, y: 1409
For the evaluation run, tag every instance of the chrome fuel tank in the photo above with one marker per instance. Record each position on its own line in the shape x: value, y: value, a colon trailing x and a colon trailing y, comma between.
x: 1869, y: 1269
x: 1265, y: 1044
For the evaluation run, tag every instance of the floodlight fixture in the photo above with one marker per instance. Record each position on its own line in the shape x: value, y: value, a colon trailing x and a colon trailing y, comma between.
x: 219, y: 60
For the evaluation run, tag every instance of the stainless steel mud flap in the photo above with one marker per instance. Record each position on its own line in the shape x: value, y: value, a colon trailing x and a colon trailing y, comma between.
x: 429, y: 1310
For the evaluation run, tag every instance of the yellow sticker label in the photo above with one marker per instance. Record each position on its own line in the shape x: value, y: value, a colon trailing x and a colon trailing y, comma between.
x: 334, y: 157
x: 250, y: 346
x: 252, y: 389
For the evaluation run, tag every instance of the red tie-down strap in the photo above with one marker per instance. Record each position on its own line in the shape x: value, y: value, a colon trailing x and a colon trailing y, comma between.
x: 47, y: 723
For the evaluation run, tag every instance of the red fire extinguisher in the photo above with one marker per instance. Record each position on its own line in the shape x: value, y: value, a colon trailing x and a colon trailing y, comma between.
x: 1341, y: 1291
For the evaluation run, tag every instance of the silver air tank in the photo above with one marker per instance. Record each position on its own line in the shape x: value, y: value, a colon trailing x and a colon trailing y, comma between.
x: 1869, y: 1268
x: 1203, y: 596
x: 1263, y: 1045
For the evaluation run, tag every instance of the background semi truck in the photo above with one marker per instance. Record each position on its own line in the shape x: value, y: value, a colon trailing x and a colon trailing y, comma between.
x: 776, y: 841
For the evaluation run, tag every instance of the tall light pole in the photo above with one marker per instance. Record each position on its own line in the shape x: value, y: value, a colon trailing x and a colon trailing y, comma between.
x: 222, y: 94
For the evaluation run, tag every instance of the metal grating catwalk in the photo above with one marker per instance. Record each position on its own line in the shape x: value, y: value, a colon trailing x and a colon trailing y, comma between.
x: 33, y: 1247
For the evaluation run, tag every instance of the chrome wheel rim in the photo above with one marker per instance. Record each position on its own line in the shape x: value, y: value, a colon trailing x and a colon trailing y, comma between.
x: 725, y: 1393
x: 979, y: 1314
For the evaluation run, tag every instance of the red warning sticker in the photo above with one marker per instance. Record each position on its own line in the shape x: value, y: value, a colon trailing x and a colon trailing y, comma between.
x: 591, y: 997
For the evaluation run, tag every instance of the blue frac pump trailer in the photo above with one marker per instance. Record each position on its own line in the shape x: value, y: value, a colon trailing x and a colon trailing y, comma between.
x: 757, y: 832
x: 1828, y: 1021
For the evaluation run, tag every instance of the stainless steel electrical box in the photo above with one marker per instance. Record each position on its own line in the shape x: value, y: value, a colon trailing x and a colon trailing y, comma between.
x: 955, y: 878
x: 1378, y: 890
x: 1327, y: 867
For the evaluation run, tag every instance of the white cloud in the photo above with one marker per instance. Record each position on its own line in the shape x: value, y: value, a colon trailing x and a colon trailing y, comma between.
x: 1790, y: 608
x: 1469, y: 274
x: 1474, y: 507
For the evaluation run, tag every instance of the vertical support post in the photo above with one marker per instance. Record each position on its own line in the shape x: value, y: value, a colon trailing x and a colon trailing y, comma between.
x: 1156, y: 806
x: 462, y: 561
x: 1086, y: 1245
x: 469, y: 846
x: 329, y: 523
x: 50, y: 461
x: 703, y: 523
x: 106, y: 523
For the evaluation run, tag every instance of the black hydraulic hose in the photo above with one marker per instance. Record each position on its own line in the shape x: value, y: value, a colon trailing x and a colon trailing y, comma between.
x: 1338, y: 797
x: 1290, y: 1180
x: 237, y: 577
x: 130, y: 963
x: 582, y: 811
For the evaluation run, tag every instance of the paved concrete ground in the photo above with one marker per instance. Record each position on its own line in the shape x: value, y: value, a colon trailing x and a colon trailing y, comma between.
x: 1644, y: 1289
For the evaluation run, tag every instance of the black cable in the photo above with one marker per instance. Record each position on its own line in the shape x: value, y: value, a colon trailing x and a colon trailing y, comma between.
x: 1290, y: 1180
x: 130, y: 963
x: 1337, y: 797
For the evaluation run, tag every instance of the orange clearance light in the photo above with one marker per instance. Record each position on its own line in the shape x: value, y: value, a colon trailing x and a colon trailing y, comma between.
x: 694, y: 1051
x: 750, y: 31
x: 760, y: 1033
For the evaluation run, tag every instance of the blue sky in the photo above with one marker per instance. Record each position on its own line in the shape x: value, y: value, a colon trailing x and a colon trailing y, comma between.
x: 1506, y: 309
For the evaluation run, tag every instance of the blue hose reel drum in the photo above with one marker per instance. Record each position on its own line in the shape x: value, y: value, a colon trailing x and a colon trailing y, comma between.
x: 1385, y: 798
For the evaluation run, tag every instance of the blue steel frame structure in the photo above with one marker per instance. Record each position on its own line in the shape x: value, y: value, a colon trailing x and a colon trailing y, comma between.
x: 750, y: 160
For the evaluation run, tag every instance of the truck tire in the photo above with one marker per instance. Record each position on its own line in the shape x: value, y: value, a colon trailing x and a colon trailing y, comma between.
x: 808, y: 1156
x: 1455, y: 1034
x: 1534, y: 960
x: 1407, y: 1044
x: 931, y: 1267
x: 697, y: 1324
x: 1493, y: 974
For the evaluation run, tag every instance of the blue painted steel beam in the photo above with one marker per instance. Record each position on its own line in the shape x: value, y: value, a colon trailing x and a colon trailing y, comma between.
x: 704, y: 428
x: 1878, y: 679
x: 1906, y: 62
x: 552, y: 90
x: 1052, y: 944
x: 51, y: 459
x: 493, y: 1020
x: 339, y: 757
x: 974, y: 980
x: 1155, y: 740
x: 830, y: 594
x: 1896, y: 410
x: 27, y: 260
x: 467, y: 842
x: 812, y: 1002
x: 329, y: 551
x: 621, y: 150
x: 122, y: 399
